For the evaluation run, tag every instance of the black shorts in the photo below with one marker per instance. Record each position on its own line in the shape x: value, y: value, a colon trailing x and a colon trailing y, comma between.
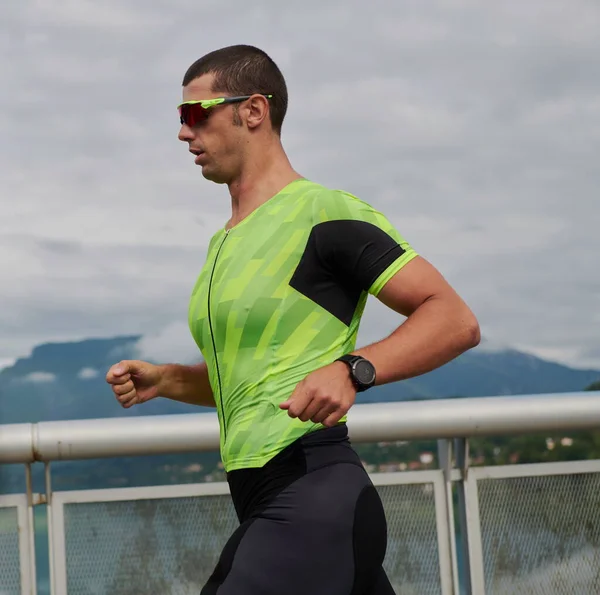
x: 311, y: 523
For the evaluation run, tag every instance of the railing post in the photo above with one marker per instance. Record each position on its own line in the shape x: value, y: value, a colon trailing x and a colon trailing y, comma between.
x: 56, y: 541
x: 31, y: 530
x: 468, y: 518
x: 445, y: 461
x: 49, y: 522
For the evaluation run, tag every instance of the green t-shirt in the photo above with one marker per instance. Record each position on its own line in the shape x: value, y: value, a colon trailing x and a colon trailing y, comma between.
x: 281, y: 294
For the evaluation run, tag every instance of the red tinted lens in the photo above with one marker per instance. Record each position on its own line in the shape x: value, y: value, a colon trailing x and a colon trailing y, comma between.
x: 192, y: 114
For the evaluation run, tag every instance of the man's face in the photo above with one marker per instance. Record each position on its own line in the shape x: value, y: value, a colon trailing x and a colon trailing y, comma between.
x: 216, y: 141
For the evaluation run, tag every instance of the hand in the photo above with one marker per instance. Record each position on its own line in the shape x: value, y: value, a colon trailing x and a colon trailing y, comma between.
x: 324, y: 396
x: 134, y: 382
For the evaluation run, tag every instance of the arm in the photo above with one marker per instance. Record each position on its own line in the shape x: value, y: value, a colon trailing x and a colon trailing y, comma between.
x: 367, y: 253
x: 439, y: 325
x: 135, y: 382
x: 186, y: 384
x: 438, y: 328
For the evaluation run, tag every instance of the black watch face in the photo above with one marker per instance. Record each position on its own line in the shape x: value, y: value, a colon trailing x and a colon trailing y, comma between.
x: 364, y: 372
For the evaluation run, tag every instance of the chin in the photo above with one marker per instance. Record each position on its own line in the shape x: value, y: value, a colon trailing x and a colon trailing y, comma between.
x: 214, y: 176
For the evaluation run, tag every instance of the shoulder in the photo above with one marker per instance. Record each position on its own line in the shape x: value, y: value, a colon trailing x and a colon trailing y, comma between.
x: 339, y: 217
x: 332, y: 202
x: 330, y: 205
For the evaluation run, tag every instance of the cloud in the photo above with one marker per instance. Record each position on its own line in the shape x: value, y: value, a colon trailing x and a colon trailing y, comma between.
x: 474, y: 127
x: 487, y: 346
x: 83, y: 14
x: 39, y: 377
x: 87, y: 373
x: 171, y: 344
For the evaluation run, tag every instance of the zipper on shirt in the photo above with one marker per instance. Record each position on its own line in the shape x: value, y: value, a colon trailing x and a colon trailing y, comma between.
x: 212, y: 335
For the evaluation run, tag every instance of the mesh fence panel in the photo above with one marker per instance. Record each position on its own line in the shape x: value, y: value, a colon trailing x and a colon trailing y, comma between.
x: 10, y: 565
x: 170, y: 546
x: 143, y: 547
x: 541, y: 535
x: 412, y: 560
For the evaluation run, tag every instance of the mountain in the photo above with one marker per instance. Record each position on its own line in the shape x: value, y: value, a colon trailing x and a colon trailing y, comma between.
x: 482, y: 373
x: 61, y: 381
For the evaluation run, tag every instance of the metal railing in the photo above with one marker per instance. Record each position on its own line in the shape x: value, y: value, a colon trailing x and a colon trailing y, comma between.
x: 454, y: 530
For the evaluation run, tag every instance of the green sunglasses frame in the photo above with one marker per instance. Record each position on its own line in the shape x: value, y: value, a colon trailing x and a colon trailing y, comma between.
x: 210, y: 103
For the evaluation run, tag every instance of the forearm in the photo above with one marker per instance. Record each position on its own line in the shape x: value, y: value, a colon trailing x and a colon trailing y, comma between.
x: 186, y: 384
x: 435, y: 333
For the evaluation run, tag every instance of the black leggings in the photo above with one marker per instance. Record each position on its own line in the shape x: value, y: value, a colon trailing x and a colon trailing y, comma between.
x: 311, y: 523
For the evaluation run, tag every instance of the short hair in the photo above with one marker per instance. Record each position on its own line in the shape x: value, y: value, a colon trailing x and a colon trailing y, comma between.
x: 244, y: 70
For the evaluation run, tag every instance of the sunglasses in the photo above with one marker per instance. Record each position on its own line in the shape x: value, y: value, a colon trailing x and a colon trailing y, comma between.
x: 192, y: 113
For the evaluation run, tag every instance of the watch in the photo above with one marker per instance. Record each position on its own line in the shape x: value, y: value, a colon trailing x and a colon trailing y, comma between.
x: 362, y: 371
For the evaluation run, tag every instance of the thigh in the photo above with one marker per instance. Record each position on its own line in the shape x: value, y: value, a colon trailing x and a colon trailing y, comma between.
x: 323, y: 535
x: 381, y: 585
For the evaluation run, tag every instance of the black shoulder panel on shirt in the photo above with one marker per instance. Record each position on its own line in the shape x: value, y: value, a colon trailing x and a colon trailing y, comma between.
x: 342, y: 259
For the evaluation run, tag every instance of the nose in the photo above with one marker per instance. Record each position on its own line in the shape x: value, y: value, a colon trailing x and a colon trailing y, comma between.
x: 185, y: 133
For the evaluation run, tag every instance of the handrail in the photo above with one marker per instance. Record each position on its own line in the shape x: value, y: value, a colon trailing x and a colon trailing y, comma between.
x: 406, y: 420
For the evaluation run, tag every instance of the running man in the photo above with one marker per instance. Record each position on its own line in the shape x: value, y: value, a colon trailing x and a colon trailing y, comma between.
x: 275, y: 312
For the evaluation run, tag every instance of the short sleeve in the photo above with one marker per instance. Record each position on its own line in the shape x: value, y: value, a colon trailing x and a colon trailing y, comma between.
x: 357, y: 242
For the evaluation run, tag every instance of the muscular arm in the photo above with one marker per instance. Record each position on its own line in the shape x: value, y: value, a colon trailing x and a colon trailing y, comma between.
x: 438, y: 328
x: 186, y: 384
x: 363, y: 253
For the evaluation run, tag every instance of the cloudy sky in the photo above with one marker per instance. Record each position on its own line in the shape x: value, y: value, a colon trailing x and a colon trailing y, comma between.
x: 475, y: 126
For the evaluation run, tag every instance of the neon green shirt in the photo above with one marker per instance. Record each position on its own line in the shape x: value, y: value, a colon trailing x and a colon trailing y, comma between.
x: 281, y: 294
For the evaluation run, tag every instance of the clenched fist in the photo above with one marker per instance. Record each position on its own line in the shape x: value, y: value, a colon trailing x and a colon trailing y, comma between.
x: 324, y: 396
x: 134, y: 381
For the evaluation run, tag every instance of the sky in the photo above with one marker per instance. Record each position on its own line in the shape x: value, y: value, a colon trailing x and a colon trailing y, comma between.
x: 474, y: 126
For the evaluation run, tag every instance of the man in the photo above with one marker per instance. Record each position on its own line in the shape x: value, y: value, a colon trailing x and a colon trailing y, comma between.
x: 276, y: 305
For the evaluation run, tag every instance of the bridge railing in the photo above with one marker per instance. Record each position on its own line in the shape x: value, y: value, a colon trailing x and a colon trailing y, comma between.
x: 455, y: 529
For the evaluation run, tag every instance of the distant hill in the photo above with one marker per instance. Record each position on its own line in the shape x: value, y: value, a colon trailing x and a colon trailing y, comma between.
x: 63, y: 381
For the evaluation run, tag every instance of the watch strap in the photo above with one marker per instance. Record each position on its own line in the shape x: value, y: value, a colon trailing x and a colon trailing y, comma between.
x: 349, y: 359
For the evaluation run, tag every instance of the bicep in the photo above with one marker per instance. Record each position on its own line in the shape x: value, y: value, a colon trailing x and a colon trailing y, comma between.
x: 415, y: 283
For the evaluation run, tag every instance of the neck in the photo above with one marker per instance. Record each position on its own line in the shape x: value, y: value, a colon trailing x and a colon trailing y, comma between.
x: 262, y: 178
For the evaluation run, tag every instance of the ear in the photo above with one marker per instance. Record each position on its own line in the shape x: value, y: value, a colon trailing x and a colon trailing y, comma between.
x: 257, y: 111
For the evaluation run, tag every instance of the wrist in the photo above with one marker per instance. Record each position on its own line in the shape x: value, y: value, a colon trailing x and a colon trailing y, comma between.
x: 162, y: 379
x: 361, y: 370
